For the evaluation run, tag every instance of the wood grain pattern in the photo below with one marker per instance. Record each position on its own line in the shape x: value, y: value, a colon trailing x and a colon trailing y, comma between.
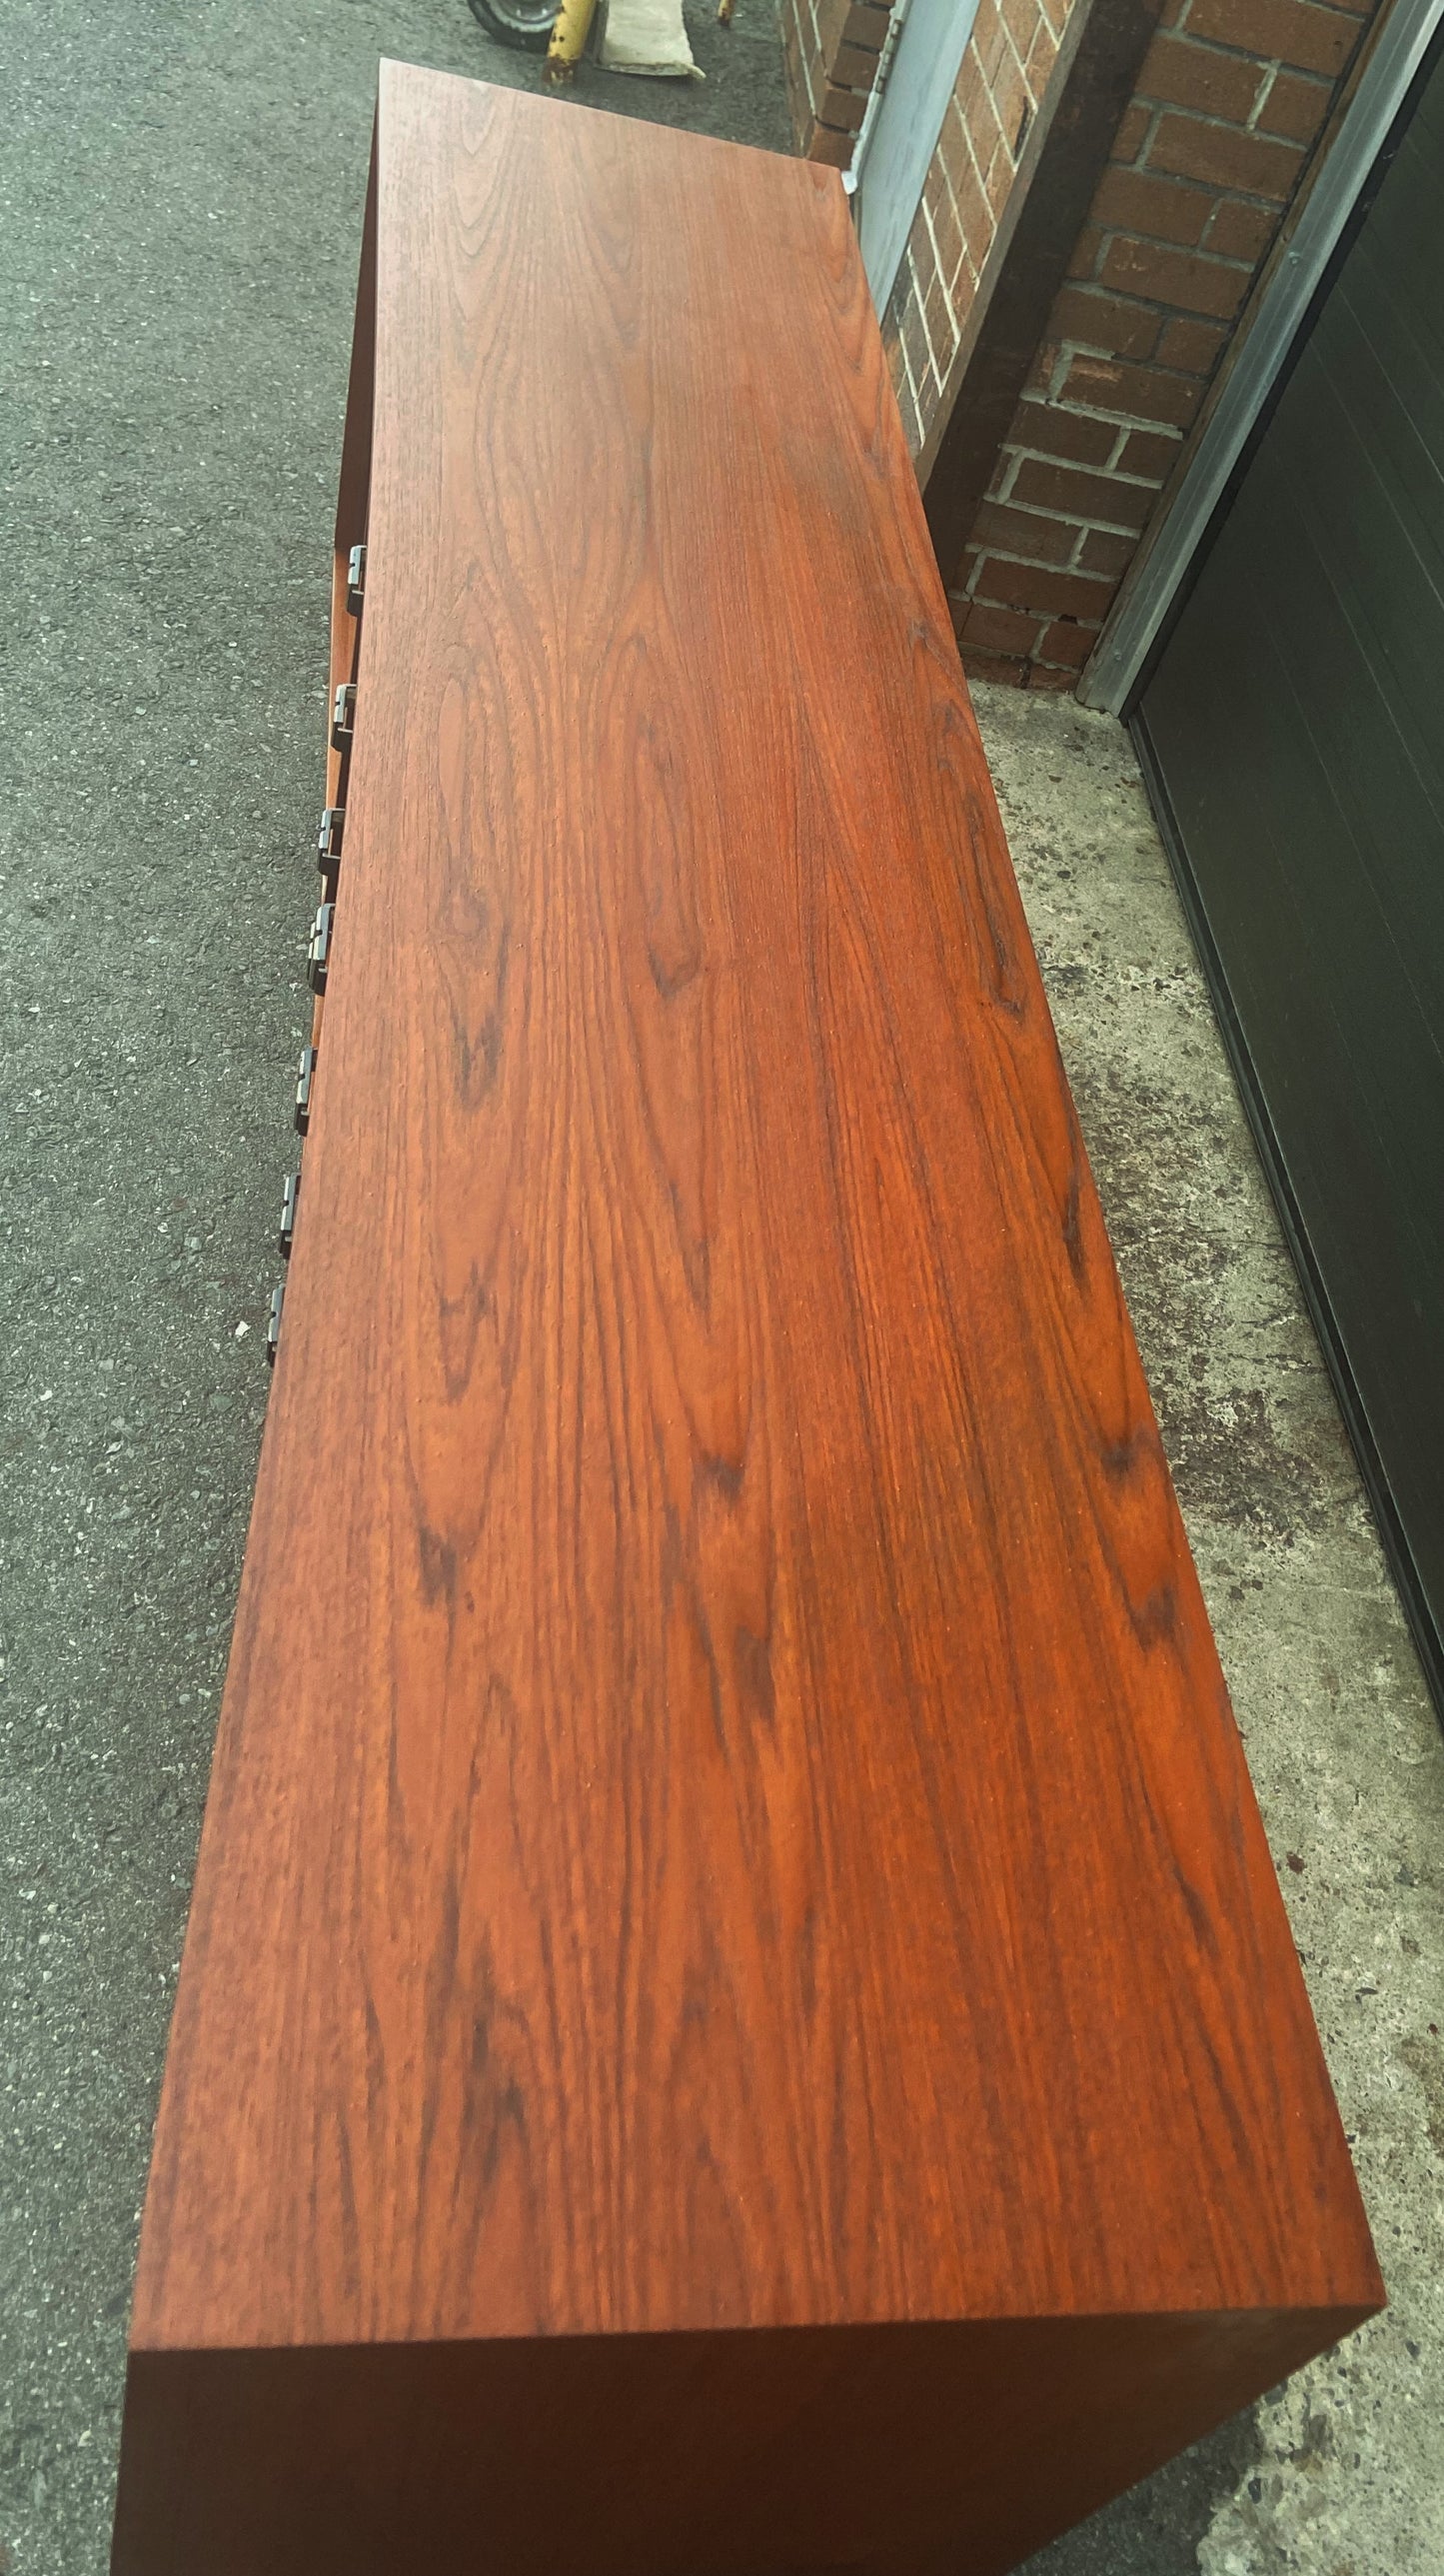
x: 791, y: 2448
x: 726, y: 1820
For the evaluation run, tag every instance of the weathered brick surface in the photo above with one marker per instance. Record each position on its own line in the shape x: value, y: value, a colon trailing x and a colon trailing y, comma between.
x: 1201, y: 77
x: 1206, y: 159
x: 1103, y: 552
x: 1102, y: 500
x: 831, y: 50
x: 1149, y: 454
x: 1136, y: 201
x: 834, y: 149
x: 1189, y: 345
x: 1068, y: 645
x: 853, y: 67
x: 1023, y: 532
x: 865, y: 25
x: 1296, y: 32
x: 1000, y: 86
x: 999, y: 630
x: 841, y: 109
x: 1127, y: 393
x: 1295, y: 106
x: 1156, y: 273
x: 1240, y: 230
x: 1222, y: 156
x: 1114, y: 323
x: 1042, y: 587
x: 1045, y: 429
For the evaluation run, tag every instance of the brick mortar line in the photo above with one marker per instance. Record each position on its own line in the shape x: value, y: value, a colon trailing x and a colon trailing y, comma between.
x: 1203, y: 116
x: 1147, y: 306
x: 1149, y: 367
x: 1149, y: 241
x: 1039, y: 617
x: 1035, y: 658
x: 1270, y: 72
x: 1124, y: 419
x: 1030, y: 104
x: 973, y: 158
x: 1241, y: 54
x: 939, y: 365
x: 1220, y: 194
x: 942, y: 280
x: 906, y: 365
x: 1124, y: 435
x: 1060, y: 517
x: 1033, y: 563
x: 1072, y: 348
x: 1265, y: 94
x: 919, y: 304
x: 1075, y: 561
x: 965, y: 257
x: 1049, y: 510
x: 1222, y: 190
x: 1154, y: 118
x: 987, y: 94
x: 1044, y: 618
x: 1325, y: 8
x: 1022, y: 75
x: 951, y: 285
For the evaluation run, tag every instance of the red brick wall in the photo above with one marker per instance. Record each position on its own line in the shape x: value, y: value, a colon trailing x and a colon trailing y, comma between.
x: 1005, y: 70
x: 831, y: 49
x: 1207, y: 158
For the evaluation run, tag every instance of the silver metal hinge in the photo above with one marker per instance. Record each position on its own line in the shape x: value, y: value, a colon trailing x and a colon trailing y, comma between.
x: 304, y: 1080
x: 318, y: 949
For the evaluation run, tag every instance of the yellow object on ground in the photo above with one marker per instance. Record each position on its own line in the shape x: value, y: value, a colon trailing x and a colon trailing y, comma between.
x: 569, y: 34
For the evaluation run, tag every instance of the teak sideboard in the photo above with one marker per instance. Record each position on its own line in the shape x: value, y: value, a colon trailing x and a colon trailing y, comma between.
x: 737, y: 2014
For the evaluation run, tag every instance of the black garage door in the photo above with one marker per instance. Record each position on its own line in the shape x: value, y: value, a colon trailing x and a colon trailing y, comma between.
x: 1293, y: 731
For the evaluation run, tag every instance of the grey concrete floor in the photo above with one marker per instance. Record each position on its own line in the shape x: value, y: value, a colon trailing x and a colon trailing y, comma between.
x: 179, y: 208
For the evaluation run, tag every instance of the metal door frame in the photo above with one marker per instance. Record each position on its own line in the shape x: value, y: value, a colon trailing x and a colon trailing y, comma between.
x: 901, y: 132
x: 1115, y: 676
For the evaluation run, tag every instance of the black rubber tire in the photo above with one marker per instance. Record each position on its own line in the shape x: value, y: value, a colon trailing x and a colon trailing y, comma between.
x: 527, y: 24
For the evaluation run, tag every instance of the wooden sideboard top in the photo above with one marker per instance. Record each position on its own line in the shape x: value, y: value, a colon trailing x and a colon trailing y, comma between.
x: 726, y: 1811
